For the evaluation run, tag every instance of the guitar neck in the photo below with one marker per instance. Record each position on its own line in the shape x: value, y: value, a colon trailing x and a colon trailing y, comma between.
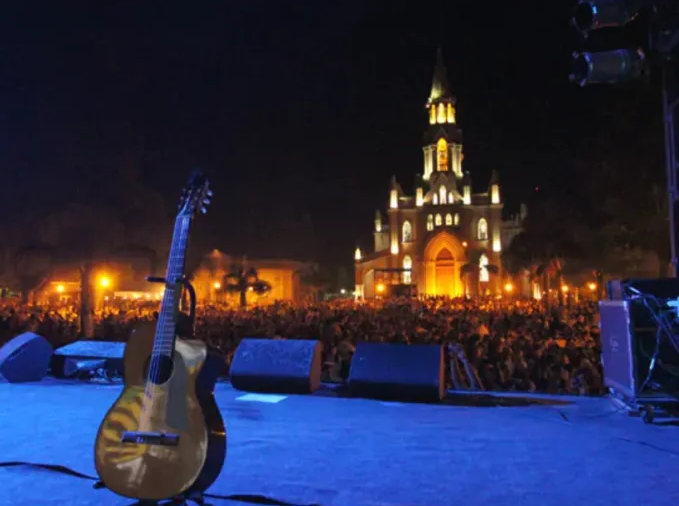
x: 169, y: 308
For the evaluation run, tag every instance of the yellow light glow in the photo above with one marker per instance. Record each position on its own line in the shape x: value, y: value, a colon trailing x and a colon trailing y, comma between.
x: 394, y: 245
x: 441, y: 117
x: 104, y: 282
x: 497, y: 246
x: 250, y: 289
x: 509, y: 288
x: 381, y: 288
x: 465, y: 244
x: 60, y: 288
x: 106, y: 298
x: 357, y: 254
x: 419, y: 197
x: 216, y: 285
x: 432, y: 115
x: 467, y: 195
x: 450, y: 113
x: 591, y: 286
x: 495, y: 194
x: 565, y: 288
x: 393, y: 199
x: 442, y: 159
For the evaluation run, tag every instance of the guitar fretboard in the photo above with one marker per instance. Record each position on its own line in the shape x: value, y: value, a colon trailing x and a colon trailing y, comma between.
x: 167, y: 319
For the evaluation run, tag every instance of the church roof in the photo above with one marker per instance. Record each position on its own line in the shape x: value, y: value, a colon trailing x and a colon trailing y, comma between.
x: 439, y: 85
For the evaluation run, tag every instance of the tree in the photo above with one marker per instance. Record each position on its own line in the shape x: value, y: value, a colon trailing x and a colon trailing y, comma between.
x: 241, y: 280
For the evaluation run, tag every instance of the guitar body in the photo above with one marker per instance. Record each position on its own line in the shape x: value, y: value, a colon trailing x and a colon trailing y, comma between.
x: 182, y: 406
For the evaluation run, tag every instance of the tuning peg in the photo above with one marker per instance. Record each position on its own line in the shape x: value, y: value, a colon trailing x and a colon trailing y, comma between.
x: 203, y: 209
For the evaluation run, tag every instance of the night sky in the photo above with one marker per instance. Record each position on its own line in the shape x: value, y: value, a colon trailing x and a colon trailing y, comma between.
x: 300, y: 112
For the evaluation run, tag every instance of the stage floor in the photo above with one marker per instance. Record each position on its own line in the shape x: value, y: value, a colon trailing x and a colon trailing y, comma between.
x: 334, y: 451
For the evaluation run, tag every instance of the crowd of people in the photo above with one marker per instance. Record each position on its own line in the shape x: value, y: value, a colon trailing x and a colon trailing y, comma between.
x: 514, y: 345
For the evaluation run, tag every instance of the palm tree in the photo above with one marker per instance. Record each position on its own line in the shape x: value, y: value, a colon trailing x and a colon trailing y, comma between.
x: 241, y: 280
x: 474, y: 266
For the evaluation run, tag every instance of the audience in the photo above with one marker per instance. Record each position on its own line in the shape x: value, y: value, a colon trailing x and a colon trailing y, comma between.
x: 515, y: 345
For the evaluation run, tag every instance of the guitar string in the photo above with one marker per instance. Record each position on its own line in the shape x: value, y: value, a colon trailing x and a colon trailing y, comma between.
x: 162, y: 331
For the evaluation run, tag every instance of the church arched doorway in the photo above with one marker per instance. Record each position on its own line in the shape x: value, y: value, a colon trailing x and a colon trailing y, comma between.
x: 445, y: 273
x: 443, y: 257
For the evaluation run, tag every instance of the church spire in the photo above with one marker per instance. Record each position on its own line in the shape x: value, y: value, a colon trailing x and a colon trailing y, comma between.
x: 440, y: 91
x: 441, y: 103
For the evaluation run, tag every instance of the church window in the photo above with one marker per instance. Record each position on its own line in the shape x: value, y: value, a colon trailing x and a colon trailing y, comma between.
x: 407, y: 270
x: 432, y: 115
x: 483, y: 269
x: 450, y: 113
x: 442, y: 155
x: 438, y: 220
x: 442, y: 113
x: 442, y: 194
x: 449, y: 220
x: 430, y: 222
x: 407, y: 232
x: 456, y: 219
x: 482, y: 230
x: 451, y: 200
x: 435, y: 200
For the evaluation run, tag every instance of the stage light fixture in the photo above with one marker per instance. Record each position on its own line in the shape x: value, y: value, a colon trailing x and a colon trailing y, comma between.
x: 609, y: 67
x: 594, y: 14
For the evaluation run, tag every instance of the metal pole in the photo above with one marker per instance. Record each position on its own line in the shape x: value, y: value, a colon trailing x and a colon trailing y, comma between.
x: 670, y: 157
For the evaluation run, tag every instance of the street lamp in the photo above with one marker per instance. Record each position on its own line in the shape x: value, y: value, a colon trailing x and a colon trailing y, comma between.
x: 105, y: 282
x: 60, y: 288
x: 216, y: 285
x: 509, y: 288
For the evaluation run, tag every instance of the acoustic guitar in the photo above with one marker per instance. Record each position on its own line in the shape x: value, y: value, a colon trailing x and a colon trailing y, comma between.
x: 164, y: 437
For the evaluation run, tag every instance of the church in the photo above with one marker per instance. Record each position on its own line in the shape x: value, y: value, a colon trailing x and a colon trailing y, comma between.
x: 445, y: 239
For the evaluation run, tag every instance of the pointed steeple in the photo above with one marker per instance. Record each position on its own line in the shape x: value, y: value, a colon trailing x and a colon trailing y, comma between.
x: 439, y: 85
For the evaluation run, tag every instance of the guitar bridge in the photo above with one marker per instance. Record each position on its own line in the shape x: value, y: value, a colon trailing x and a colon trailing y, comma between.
x: 150, y: 438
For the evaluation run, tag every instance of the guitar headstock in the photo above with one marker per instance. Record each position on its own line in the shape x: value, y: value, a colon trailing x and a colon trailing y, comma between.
x: 195, y: 195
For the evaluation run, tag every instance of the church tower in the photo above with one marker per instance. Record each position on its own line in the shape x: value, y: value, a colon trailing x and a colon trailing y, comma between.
x: 443, y: 138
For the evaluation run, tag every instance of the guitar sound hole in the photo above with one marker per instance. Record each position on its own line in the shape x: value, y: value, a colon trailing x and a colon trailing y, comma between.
x: 159, y: 368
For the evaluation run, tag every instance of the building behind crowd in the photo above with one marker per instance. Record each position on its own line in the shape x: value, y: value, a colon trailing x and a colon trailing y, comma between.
x: 284, y: 276
x: 445, y: 239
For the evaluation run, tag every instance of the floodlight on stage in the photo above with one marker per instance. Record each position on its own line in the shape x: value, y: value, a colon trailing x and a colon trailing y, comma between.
x: 594, y: 14
x: 609, y: 67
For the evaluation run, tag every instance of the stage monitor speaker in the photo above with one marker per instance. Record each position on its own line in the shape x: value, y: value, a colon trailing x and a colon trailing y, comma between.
x: 628, y: 342
x: 277, y: 366
x: 25, y: 358
x: 86, y: 357
x: 398, y: 372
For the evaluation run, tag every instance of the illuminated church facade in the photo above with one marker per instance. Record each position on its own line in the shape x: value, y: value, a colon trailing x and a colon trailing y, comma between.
x: 445, y: 239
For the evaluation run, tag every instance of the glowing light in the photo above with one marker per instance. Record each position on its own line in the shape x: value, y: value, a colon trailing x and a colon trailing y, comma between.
x: 432, y: 115
x: 467, y: 195
x: 565, y: 288
x: 441, y: 114
x: 442, y: 159
x: 250, y: 289
x: 343, y: 291
x: 497, y: 247
x: 106, y: 298
x: 60, y: 288
x: 393, y: 199
x: 495, y: 194
x: 591, y: 286
x: 465, y: 244
x: 216, y: 285
x: 381, y: 288
x: 357, y: 254
x: 509, y: 288
x: 419, y: 197
x: 394, y: 246
x: 104, y: 282
x: 450, y: 113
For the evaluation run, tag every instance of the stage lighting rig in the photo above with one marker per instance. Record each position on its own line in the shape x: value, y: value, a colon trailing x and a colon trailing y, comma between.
x: 661, y: 22
x: 606, y: 67
x: 594, y: 14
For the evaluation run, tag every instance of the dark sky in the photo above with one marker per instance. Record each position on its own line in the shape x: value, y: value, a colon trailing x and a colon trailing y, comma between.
x: 300, y: 112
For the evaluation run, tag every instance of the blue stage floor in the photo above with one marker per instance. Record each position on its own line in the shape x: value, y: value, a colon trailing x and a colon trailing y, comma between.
x: 352, y: 452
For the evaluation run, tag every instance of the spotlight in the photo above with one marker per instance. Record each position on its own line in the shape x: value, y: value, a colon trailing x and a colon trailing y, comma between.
x: 607, y: 66
x: 594, y: 14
